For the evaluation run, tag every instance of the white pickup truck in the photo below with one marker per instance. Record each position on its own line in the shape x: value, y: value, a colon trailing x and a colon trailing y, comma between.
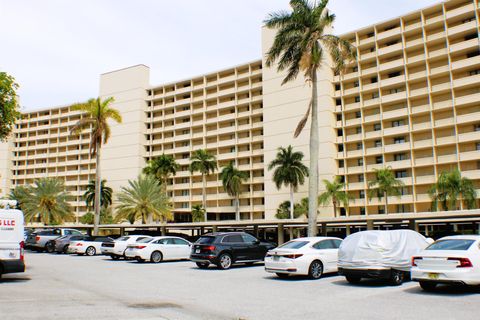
x: 11, y: 239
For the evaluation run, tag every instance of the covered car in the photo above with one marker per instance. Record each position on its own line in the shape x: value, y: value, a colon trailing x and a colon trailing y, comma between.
x: 382, y: 254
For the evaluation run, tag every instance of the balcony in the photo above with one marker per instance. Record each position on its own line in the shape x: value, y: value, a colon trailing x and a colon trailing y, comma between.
x: 369, y: 71
x: 392, y: 81
x: 464, y: 45
x: 470, y: 155
x: 421, y: 162
x: 459, y: 11
x: 355, y: 153
x: 442, y: 87
x: 371, y: 102
x: 417, y: 75
x: 354, y: 137
x: 373, y: 151
x: 372, y: 118
x: 421, y: 126
x: 434, y: 19
x: 376, y: 166
x: 391, y: 65
x: 394, y: 114
x: 423, y: 197
x: 447, y: 104
x: 427, y: 179
x: 439, y: 70
x: 465, y: 63
x: 448, y: 158
x: 390, y: 49
x: 399, y: 164
x: 417, y: 58
x: 357, y: 169
x: 397, y: 147
x: 352, y: 122
x: 352, y: 106
x: 421, y: 109
x: 469, y: 136
x: 394, y: 97
x: 446, y: 140
x: 356, y: 186
x: 444, y: 122
x: 389, y: 33
x: 373, y: 134
x: 395, y: 130
x: 436, y: 36
x: 414, y: 43
x: 413, y: 26
x: 466, y: 81
x: 467, y: 99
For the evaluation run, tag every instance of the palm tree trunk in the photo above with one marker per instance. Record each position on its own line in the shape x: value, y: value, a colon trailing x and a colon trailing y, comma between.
x: 334, y: 201
x: 386, y: 203
x: 237, y: 209
x: 204, y: 196
x: 98, y: 183
x: 313, y: 179
x: 292, y: 207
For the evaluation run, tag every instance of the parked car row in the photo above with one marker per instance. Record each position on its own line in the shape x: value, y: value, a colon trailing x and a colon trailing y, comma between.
x: 395, y: 255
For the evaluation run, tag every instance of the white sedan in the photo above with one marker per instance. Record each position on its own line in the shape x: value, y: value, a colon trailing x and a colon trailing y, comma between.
x: 116, y: 249
x: 311, y: 256
x: 454, y: 259
x: 89, y: 246
x: 158, y: 249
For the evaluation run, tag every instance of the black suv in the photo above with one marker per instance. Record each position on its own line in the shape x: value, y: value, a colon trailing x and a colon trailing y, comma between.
x: 226, y: 248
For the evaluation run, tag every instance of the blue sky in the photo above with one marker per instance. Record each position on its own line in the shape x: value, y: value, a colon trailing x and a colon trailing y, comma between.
x: 56, y: 49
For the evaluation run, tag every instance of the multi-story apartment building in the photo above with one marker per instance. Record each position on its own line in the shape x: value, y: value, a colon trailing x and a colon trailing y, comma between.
x: 410, y: 102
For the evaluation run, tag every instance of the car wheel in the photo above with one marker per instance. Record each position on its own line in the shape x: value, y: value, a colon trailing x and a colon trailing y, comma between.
x: 65, y: 248
x: 156, y: 257
x: 353, y: 279
x: 397, y: 277
x: 91, y: 251
x: 50, y: 247
x: 315, y: 270
x: 428, y: 285
x: 224, y: 261
x: 203, y: 265
x: 282, y: 275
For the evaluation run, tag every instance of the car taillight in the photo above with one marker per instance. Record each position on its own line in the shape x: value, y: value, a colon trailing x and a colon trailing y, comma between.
x: 139, y: 247
x: 209, y: 248
x: 79, y: 244
x: 462, y: 262
x: 414, y: 263
x: 292, y: 256
x: 37, y: 238
x: 22, y: 250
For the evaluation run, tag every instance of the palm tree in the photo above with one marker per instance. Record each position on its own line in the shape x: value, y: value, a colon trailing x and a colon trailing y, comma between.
x: 289, y: 171
x: 19, y: 194
x: 48, y: 200
x: 283, y: 211
x: 301, y: 208
x: 384, y: 185
x: 451, y: 187
x: 198, y: 213
x: 162, y: 168
x: 232, y: 180
x: 96, y: 113
x: 300, y: 44
x: 105, y: 195
x: 105, y: 217
x: 144, y: 200
x: 334, y: 193
x: 205, y: 163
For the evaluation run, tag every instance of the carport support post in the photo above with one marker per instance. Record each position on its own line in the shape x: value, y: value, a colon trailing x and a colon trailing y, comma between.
x: 281, y: 238
x: 122, y: 231
x: 164, y: 230
x: 369, y: 224
x: 290, y: 230
x: 347, y: 230
x: 324, y: 229
x: 214, y: 228
x: 413, y: 225
x: 255, y: 231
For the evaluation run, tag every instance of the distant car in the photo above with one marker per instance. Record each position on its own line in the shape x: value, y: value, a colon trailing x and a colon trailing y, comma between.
x: 158, y: 249
x: 43, y: 240
x: 379, y: 254
x: 312, y: 256
x: 450, y: 260
x: 116, y: 249
x: 61, y: 244
x: 89, y: 245
x: 224, y: 249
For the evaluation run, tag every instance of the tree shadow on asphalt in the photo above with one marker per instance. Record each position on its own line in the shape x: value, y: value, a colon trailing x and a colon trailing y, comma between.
x: 299, y: 278
x: 446, y: 290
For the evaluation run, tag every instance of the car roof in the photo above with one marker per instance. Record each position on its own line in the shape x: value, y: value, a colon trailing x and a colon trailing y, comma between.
x: 217, y: 234
x: 315, y: 238
x: 462, y: 237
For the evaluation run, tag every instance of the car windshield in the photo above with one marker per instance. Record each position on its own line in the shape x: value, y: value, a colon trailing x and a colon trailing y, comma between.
x: 123, y: 239
x: 145, y: 240
x: 451, y: 244
x: 205, y: 240
x: 293, y: 245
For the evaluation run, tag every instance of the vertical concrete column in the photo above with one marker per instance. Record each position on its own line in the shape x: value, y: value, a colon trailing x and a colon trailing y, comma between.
x: 280, y: 230
x: 347, y: 230
x: 255, y: 231
x: 413, y: 225
x: 290, y: 231
x: 201, y: 230
x: 122, y: 231
x: 164, y: 230
x: 214, y: 228
x: 324, y: 229
x: 370, y: 225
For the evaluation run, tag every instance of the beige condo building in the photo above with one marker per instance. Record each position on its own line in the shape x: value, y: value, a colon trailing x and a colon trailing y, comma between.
x: 410, y: 102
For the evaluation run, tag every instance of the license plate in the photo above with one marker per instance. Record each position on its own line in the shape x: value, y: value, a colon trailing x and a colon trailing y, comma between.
x: 433, y: 276
x: 197, y: 251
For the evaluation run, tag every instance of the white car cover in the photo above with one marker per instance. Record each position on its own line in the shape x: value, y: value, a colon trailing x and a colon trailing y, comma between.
x: 381, y: 249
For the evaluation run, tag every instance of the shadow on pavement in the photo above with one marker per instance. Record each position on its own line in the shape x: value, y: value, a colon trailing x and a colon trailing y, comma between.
x: 299, y: 278
x: 7, y: 279
x: 366, y: 283
x: 443, y: 290
x: 213, y: 267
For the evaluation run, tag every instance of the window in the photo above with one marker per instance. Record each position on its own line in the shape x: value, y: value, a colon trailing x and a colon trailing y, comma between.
x: 236, y: 238
x: 477, y: 146
x: 452, y: 244
x: 474, y: 72
x: 357, y: 99
x: 362, y: 194
x: 400, y: 174
x: 322, y: 245
x: 361, y: 178
x: 338, y: 102
x: 358, y: 114
x: 374, y: 79
x: 355, y: 69
x: 358, y: 130
x: 205, y: 240
x: 249, y: 239
x: 336, y: 243
x: 293, y: 244
x: 398, y: 123
x: 340, y: 148
x: 377, y: 127
x: 476, y: 127
x: 381, y: 210
x: 378, y: 143
x: 180, y: 242
x: 473, y: 54
x: 337, y: 86
x: 394, y: 74
x: 471, y: 36
x: 379, y: 159
x: 396, y: 90
x: 360, y: 162
x: 359, y: 146
x: 401, y: 208
x: 356, y: 84
x: 339, y: 132
x: 375, y: 95
x: 399, y: 140
x: 399, y: 157
x: 341, y: 163
x: 339, y: 117
x: 362, y: 211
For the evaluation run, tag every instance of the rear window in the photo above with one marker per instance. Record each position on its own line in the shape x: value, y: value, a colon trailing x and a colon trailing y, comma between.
x: 293, y: 245
x: 145, y: 240
x: 123, y: 239
x: 205, y: 240
x: 76, y: 238
x: 451, y: 244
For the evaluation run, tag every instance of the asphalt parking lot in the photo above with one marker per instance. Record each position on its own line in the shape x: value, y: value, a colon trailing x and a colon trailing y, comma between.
x: 78, y: 287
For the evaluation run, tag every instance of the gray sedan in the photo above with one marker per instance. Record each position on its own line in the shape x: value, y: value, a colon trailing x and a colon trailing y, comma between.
x: 62, y: 243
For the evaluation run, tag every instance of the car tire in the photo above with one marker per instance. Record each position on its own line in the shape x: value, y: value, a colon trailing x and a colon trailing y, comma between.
x: 65, y: 249
x: 91, y: 251
x: 156, y: 257
x: 202, y: 265
x: 224, y: 261
x: 50, y: 247
x: 315, y: 271
x: 353, y: 279
x: 397, y: 277
x: 428, y: 285
x: 282, y: 275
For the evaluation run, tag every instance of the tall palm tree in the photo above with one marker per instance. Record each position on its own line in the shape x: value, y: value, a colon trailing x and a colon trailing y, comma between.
x: 451, y: 187
x: 205, y: 163
x: 198, y: 213
x: 105, y: 195
x: 162, y: 168
x: 232, y: 181
x: 19, y: 194
x: 48, y: 200
x: 143, y: 199
x: 96, y: 113
x: 301, y: 43
x: 334, y: 193
x: 384, y: 185
x: 289, y: 171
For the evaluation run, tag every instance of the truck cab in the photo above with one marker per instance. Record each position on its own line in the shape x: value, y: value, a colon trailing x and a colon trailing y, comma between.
x: 11, y: 240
